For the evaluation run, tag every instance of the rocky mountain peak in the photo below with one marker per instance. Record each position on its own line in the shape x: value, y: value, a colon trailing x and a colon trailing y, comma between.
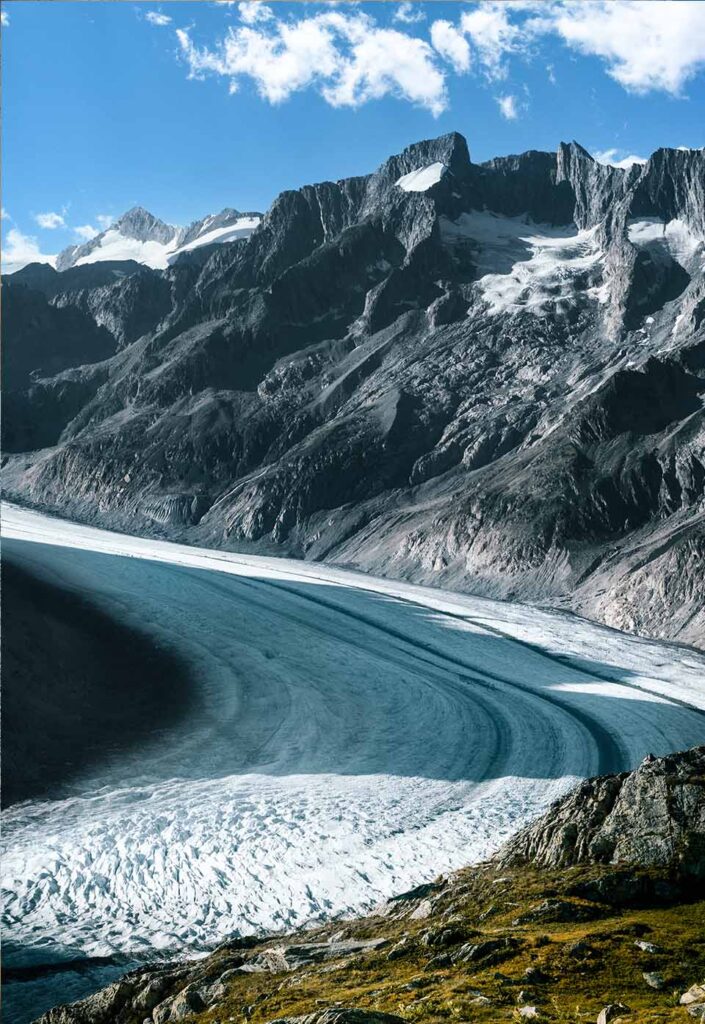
x: 143, y: 226
x: 450, y: 150
x: 438, y: 334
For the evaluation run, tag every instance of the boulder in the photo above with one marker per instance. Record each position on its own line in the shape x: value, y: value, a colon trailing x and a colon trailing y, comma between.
x: 342, y: 1015
x: 648, y: 947
x: 488, y: 952
x: 611, y: 1012
x: 558, y: 911
x: 694, y: 996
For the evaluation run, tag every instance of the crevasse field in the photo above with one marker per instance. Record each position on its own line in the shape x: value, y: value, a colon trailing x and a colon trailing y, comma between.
x: 345, y: 738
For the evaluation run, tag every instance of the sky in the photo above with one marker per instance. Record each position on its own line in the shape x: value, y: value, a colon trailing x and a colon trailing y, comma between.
x: 185, y: 108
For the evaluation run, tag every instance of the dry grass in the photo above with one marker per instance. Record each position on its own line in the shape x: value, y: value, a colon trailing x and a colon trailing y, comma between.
x: 611, y: 969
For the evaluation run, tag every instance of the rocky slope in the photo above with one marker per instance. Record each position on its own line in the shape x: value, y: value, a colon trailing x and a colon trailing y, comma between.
x: 563, y: 944
x: 488, y: 377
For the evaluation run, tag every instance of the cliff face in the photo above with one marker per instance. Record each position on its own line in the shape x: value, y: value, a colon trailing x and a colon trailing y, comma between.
x: 483, y: 376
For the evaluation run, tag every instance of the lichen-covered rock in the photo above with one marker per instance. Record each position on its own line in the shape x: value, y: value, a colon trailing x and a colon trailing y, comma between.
x: 695, y: 996
x: 613, y: 1011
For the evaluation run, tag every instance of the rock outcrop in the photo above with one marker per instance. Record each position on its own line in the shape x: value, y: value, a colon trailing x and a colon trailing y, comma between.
x: 651, y: 817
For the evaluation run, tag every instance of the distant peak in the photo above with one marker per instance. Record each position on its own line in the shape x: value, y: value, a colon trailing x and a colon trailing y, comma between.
x: 142, y: 225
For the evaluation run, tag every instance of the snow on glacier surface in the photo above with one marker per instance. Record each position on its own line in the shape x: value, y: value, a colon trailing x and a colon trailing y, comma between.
x: 354, y: 737
x: 522, y: 265
x: 421, y: 179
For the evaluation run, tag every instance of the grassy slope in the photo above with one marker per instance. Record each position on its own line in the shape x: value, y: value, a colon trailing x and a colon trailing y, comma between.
x: 485, y: 902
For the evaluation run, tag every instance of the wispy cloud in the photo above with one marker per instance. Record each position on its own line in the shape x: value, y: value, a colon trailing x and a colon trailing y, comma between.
x: 84, y: 232
x: 451, y: 44
x: 104, y: 220
x: 4, y: 19
x: 345, y: 56
x: 409, y: 13
x: 252, y: 11
x: 50, y: 221
x: 349, y: 58
x: 157, y: 18
x: 4, y: 215
x: 508, y: 107
x: 646, y: 44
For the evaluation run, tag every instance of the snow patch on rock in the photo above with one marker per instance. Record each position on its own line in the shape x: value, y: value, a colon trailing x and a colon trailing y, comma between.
x: 673, y: 237
x: 422, y: 179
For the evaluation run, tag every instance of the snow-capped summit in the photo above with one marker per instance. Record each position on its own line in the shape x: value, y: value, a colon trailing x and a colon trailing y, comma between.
x: 143, y: 226
x: 139, y: 235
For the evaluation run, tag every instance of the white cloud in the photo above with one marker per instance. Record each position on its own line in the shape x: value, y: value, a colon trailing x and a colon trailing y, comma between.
x: 612, y: 157
x: 157, y: 18
x: 20, y: 249
x: 451, y: 44
x: 104, y: 220
x: 409, y: 13
x: 346, y: 57
x: 493, y: 35
x: 85, y: 232
x: 50, y: 221
x: 647, y: 44
x: 508, y: 107
x: 4, y: 19
x: 252, y: 11
x: 349, y: 59
x: 4, y: 215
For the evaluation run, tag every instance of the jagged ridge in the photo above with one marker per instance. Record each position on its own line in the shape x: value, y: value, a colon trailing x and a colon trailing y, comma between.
x: 494, y: 383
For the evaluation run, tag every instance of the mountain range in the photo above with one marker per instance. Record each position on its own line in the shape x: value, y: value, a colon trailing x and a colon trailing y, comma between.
x: 483, y: 376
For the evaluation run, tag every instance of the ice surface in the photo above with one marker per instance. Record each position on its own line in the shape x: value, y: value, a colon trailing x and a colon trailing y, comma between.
x: 353, y: 736
x: 422, y: 179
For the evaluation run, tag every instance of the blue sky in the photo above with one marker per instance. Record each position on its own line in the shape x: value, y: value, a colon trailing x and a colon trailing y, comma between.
x: 188, y: 107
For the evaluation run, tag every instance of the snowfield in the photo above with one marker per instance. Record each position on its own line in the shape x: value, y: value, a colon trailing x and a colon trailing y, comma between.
x: 350, y: 738
x: 526, y: 266
x: 422, y: 179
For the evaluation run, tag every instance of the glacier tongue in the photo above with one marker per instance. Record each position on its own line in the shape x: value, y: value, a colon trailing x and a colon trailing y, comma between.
x: 351, y: 737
